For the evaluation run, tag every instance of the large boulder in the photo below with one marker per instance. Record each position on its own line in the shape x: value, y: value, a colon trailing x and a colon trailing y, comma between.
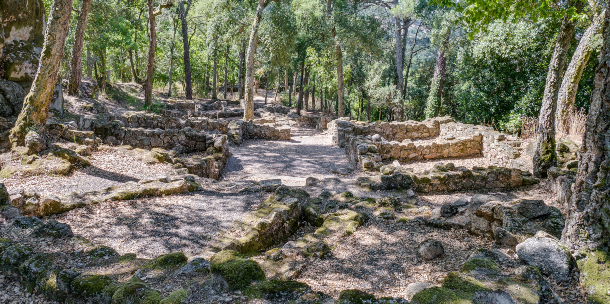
x: 23, y: 22
x: 547, y: 254
x: 11, y: 98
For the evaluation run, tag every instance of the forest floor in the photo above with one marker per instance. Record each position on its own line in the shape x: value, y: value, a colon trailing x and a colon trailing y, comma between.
x: 380, y: 257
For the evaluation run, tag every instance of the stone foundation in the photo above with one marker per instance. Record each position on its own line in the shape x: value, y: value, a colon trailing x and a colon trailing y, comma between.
x: 240, y: 130
x: 341, y: 129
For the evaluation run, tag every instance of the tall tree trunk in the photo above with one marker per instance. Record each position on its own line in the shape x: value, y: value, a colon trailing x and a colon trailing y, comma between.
x: 186, y: 46
x: 588, y: 220
x: 571, y: 79
x: 266, y: 87
x: 545, y: 156
x: 290, y: 95
x: 339, y: 63
x: 89, y: 63
x: 306, y: 93
x: 76, y: 68
x: 226, y: 71
x: 248, y: 103
x: 151, y: 54
x: 410, y: 61
x: 300, y: 100
x: 240, y: 84
x: 171, y: 62
x: 36, y: 104
x: 215, y: 77
x: 368, y: 108
x: 436, y: 88
x: 313, y: 96
x: 398, y: 24
x: 133, y: 68
x: 207, y: 80
x: 286, y: 81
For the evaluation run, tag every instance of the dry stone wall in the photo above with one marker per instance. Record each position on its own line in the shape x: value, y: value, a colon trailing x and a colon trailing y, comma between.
x: 343, y: 128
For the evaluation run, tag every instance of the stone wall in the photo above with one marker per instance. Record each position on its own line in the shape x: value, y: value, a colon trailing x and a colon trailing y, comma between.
x: 240, y: 130
x: 154, y: 121
x: 343, y: 128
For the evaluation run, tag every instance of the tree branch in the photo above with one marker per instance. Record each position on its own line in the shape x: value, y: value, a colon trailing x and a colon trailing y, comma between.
x: 168, y: 4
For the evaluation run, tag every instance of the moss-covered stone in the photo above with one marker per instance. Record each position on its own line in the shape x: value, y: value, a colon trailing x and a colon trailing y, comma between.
x: 437, y: 295
x: 135, y: 292
x: 13, y: 256
x: 55, y: 284
x: 235, y: 269
x: 167, y: 261
x: 53, y: 229
x: 355, y: 296
x: 277, y: 290
x: 177, y: 297
x: 344, y: 222
x: 94, y: 288
x: 4, y: 243
x: 595, y: 276
x: 463, y: 285
x: 102, y: 252
x: 483, y: 264
x: 520, y: 292
x: 128, y: 257
x: 34, y: 267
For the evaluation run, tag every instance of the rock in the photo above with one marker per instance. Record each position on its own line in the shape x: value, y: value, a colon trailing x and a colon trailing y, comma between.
x: 5, y: 198
x: 311, y: 181
x: 238, y: 271
x: 167, y: 261
x: 431, y: 249
x: 14, y: 255
x: 135, y: 292
x: 94, y: 288
x: 197, y: 265
x: 410, y: 193
x: 376, y: 138
x: 55, y: 284
x: 486, y: 210
x: 354, y: 296
x: 11, y: 98
x: 278, y: 291
x: 11, y: 213
x: 505, y: 238
x: 49, y: 206
x: 270, y: 185
x: 493, y: 297
x: 387, y: 170
x: 53, y: 229
x: 547, y: 254
x: 362, y: 148
x: 449, y: 210
x: 27, y: 222
x: 414, y: 288
x: 35, y: 142
x: 532, y: 208
x: 572, y: 165
x: 57, y: 103
x: 35, y: 266
x: 177, y: 297
x: 480, y: 199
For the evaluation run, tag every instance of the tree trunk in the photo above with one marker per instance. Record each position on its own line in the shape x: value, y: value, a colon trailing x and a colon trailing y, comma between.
x: 410, y: 61
x: 313, y: 96
x: 300, y: 100
x: 571, y: 79
x: 248, y: 103
x: 226, y: 71
x: 89, y: 63
x: 286, y: 81
x: 546, y: 156
x: 290, y: 95
x: 37, y: 102
x: 171, y: 62
x: 207, y: 80
x: 240, y: 89
x: 266, y: 87
x: 186, y: 46
x: 215, y: 77
x: 436, y: 88
x: 76, y: 69
x: 133, y: 68
x: 399, y: 59
x: 368, y: 108
x: 151, y: 54
x: 341, y: 106
x: 588, y: 220
x: 306, y: 93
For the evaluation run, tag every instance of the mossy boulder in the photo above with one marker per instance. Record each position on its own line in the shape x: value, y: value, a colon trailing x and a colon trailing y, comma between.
x: 5, y: 199
x: 463, y: 285
x: 438, y: 295
x: 277, y: 290
x: 27, y: 222
x: 344, y: 222
x: 35, y: 266
x: 55, y: 284
x: 53, y: 229
x: 595, y: 276
x: 177, y: 297
x: 94, y: 288
x: 167, y: 261
x: 13, y: 256
x: 238, y: 271
x: 481, y: 264
x: 102, y: 252
x: 4, y: 244
x: 355, y: 296
x: 135, y: 292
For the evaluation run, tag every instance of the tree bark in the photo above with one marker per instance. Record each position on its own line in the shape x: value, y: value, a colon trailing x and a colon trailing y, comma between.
x: 36, y: 104
x: 588, y: 220
x: 76, y: 68
x: 306, y: 93
x: 313, y: 96
x: 215, y: 77
x: 399, y: 59
x: 300, y: 100
x: 545, y: 156
x: 433, y: 107
x: 248, y: 103
x: 186, y: 47
x: 571, y: 79
x: 226, y: 72
x: 240, y: 88
x: 152, y: 17
x: 171, y: 62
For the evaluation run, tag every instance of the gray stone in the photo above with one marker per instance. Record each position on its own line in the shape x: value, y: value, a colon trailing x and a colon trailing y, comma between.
x: 493, y: 297
x: 363, y: 148
x: 377, y: 138
x: 431, y: 249
x: 195, y: 266
x: 547, y: 254
x: 270, y: 185
x: 35, y: 142
x: 311, y: 181
x: 57, y: 103
x: 480, y: 199
x: 54, y: 229
x: 449, y: 210
x: 532, y: 208
x: 505, y: 238
x: 416, y: 287
x: 11, y: 213
x: 27, y: 222
x: 410, y: 193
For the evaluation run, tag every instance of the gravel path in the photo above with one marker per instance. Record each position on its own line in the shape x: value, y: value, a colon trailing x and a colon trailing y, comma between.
x: 154, y: 226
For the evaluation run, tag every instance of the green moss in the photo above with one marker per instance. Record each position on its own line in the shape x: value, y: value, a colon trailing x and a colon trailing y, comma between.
x: 101, y: 252
x: 437, y: 295
x: 177, y: 297
x: 135, y: 292
x: 35, y: 266
x: 595, y: 273
x: 276, y: 290
x: 235, y: 269
x: 481, y: 263
x: 167, y: 261
x: 4, y: 243
x: 94, y: 286
x: 355, y: 296
x: 464, y: 286
x: 522, y: 293
x: 128, y: 257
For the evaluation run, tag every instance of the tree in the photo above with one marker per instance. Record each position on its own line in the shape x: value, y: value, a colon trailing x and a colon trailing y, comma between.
x: 248, y: 102
x: 76, y: 69
x: 185, y: 42
x: 37, y: 102
x: 152, y: 17
x: 571, y: 79
x: 588, y: 221
x: 434, y: 105
x: 546, y: 156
